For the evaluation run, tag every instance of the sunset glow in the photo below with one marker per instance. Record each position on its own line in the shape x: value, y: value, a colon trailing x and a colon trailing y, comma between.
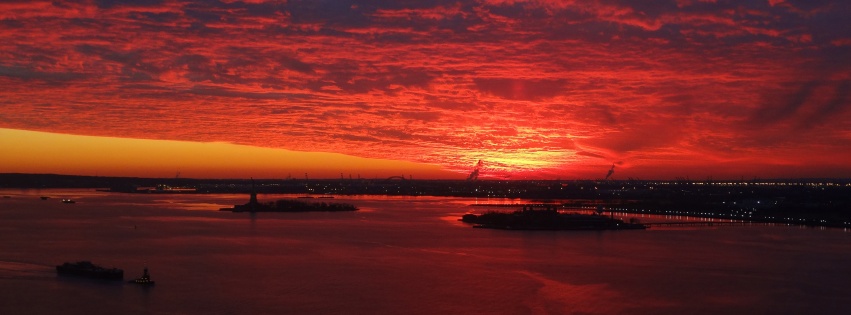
x: 85, y: 155
x: 534, y: 89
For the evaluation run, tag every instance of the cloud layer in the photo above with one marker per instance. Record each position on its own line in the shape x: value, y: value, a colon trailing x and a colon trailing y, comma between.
x: 533, y: 88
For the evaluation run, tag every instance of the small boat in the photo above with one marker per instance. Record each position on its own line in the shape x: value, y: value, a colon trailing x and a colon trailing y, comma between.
x: 44, y: 197
x: 68, y: 201
x: 144, y: 280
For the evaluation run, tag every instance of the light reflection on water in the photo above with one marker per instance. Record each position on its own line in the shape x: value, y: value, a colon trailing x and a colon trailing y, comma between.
x: 399, y: 255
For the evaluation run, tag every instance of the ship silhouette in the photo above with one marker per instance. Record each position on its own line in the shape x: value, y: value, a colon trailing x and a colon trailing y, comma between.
x: 89, y: 270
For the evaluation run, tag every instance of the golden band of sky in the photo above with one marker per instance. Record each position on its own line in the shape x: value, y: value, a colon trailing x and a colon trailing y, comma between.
x: 41, y: 152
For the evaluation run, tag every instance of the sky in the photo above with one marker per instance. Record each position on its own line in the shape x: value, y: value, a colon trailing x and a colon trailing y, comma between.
x: 427, y: 89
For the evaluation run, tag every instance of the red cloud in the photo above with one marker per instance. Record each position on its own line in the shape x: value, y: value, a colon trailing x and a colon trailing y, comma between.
x: 555, y: 87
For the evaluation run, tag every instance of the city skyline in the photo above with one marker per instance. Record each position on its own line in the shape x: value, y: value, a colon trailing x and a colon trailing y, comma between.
x: 427, y: 89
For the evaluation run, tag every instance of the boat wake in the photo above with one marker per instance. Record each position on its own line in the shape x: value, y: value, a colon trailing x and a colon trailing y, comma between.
x: 24, y: 270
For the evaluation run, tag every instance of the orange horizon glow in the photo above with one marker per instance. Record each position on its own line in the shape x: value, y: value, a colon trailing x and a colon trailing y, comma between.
x: 39, y: 152
x: 534, y: 89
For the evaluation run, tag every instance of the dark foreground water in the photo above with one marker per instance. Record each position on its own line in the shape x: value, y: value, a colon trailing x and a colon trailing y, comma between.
x: 398, y: 255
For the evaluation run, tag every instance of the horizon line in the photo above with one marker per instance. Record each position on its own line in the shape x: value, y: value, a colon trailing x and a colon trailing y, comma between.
x: 677, y: 179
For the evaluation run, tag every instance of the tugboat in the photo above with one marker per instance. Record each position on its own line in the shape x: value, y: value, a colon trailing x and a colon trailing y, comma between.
x: 89, y: 270
x: 144, y: 280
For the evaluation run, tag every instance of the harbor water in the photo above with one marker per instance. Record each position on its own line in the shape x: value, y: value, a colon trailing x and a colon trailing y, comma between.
x: 397, y: 255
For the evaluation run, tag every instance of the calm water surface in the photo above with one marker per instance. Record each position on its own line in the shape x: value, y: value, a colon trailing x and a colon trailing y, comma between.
x: 398, y: 255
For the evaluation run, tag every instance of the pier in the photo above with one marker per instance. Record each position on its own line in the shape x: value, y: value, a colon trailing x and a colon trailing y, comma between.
x: 706, y: 223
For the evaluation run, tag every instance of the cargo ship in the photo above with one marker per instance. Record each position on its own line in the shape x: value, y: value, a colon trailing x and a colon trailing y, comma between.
x: 89, y: 270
